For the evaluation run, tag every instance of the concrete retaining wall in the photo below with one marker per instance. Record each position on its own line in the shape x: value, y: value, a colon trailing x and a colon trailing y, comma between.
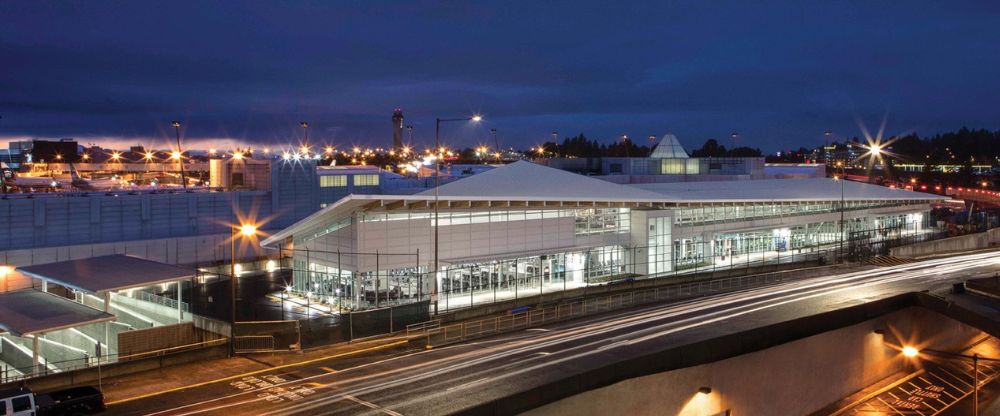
x: 90, y: 376
x: 949, y: 245
x: 798, y: 377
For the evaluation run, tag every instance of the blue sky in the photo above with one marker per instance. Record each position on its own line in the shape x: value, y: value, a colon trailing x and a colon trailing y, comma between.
x: 779, y: 73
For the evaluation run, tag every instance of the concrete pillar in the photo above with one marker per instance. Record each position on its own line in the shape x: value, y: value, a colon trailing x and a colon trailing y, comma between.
x: 107, y: 302
x: 34, y: 354
x: 45, y: 285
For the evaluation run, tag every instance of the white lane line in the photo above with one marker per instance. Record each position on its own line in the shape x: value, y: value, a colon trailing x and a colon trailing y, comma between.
x: 371, y: 405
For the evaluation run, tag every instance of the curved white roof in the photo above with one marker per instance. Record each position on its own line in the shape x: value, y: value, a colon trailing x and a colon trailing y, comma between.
x: 524, y: 180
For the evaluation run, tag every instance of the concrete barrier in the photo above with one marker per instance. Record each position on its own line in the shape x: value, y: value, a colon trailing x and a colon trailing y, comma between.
x: 960, y: 243
x: 92, y: 375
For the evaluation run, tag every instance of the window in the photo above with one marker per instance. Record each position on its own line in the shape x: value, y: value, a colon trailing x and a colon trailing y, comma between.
x: 21, y: 404
x: 365, y: 180
x: 328, y: 181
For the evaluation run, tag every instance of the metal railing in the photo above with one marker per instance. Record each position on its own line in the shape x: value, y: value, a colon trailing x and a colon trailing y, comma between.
x: 159, y: 300
x: 254, y: 343
x: 441, y: 335
x: 422, y: 327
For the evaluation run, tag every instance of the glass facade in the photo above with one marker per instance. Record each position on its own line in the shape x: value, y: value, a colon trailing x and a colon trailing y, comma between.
x: 588, y: 221
x: 723, y: 213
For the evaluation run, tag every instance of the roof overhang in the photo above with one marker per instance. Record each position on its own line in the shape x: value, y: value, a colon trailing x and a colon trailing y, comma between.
x: 107, y: 273
x: 31, y: 312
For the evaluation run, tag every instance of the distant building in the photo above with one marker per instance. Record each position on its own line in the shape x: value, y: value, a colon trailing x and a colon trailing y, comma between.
x: 668, y: 162
x: 397, y: 129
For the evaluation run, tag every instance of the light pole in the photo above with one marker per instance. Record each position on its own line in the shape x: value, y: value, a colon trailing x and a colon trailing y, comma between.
x: 843, y: 178
x: 409, y: 131
x: 180, y: 159
x: 912, y: 352
x: 305, y: 128
x: 496, y: 142
x: 437, y: 184
x: 245, y: 230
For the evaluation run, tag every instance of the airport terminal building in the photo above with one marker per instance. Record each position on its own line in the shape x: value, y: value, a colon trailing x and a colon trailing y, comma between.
x: 527, y: 229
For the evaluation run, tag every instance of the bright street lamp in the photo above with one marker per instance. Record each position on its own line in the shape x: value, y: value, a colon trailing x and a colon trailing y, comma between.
x: 4, y: 272
x: 475, y: 118
x: 246, y: 231
x: 177, y: 131
x: 910, y: 351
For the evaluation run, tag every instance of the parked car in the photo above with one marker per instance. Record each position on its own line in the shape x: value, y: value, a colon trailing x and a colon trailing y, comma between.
x: 73, y: 401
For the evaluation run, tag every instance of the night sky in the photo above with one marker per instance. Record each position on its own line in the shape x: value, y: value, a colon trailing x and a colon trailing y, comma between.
x: 780, y: 74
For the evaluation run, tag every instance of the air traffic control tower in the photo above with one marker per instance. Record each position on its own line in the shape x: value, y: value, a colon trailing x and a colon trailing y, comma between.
x: 397, y: 129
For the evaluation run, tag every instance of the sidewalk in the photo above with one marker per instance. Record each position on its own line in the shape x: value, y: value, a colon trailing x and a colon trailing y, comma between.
x: 150, y: 383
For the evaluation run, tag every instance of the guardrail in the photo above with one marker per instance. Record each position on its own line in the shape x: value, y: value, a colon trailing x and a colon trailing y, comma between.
x: 159, y: 300
x: 438, y: 335
x: 422, y: 327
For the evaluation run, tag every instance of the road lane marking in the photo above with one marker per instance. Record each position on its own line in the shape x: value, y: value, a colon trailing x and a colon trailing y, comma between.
x: 264, y: 370
x: 662, y: 311
x: 328, y: 369
x: 371, y: 405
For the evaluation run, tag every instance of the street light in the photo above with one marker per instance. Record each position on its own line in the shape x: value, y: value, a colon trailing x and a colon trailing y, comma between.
x: 437, y: 185
x: 180, y: 163
x: 843, y: 178
x: 913, y: 352
x: 246, y: 231
x: 4, y: 272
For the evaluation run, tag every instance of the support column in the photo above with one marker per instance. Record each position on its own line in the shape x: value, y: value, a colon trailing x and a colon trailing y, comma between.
x: 45, y: 285
x: 180, y: 312
x: 34, y: 354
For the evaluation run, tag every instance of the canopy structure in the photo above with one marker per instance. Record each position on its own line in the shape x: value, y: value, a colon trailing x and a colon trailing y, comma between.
x: 30, y: 312
x: 107, y: 273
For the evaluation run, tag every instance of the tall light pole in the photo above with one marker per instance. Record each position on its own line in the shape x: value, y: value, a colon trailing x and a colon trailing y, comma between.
x: 180, y: 160
x: 409, y: 131
x: 245, y: 230
x: 843, y: 178
x: 437, y: 184
x: 305, y: 128
x: 496, y: 142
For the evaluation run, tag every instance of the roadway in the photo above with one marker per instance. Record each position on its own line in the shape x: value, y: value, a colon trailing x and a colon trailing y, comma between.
x: 450, y: 379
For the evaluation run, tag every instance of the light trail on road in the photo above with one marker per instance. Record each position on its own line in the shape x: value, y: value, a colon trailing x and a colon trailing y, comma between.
x: 412, y: 382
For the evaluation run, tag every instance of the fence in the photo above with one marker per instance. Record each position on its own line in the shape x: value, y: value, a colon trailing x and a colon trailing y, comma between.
x: 258, y: 336
x: 438, y: 335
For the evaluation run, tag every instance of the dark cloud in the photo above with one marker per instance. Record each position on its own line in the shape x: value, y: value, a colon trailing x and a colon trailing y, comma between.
x: 779, y: 73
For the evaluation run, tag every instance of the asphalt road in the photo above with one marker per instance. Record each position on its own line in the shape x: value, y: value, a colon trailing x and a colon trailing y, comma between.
x: 448, y: 379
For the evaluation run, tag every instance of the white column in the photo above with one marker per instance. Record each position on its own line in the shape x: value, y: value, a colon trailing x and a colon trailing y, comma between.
x: 34, y: 354
x: 180, y: 312
x: 107, y: 301
x: 45, y: 285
